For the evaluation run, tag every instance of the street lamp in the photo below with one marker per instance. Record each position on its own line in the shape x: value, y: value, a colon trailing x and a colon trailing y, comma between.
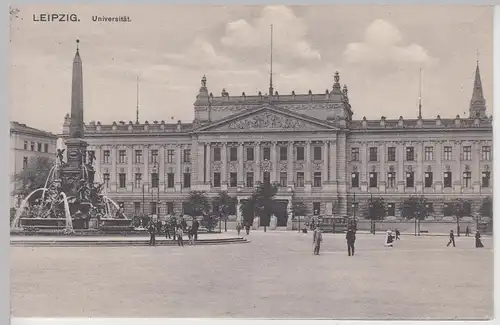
x: 371, y: 213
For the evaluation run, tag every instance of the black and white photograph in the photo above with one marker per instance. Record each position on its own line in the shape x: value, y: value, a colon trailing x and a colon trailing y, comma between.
x: 251, y: 161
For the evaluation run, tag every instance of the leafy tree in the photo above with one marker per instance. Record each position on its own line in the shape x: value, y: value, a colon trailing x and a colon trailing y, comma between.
x: 486, y: 209
x: 377, y: 209
x: 226, y: 205
x: 415, y: 207
x: 33, y: 177
x: 261, y: 203
x: 299, y: 209
x: 247, y: 208
x: 209, y: 221
x: 461, y: 208
x: 198, y: 204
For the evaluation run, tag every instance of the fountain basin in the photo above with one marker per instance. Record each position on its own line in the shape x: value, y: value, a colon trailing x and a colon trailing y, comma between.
x: 113, y: 226
x: 43, y: 223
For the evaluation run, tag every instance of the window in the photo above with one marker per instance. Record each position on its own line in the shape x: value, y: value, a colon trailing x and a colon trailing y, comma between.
x: 317, y: 153
x: 300, y: 179
x: 250, y: 179
x: 122, y: 154
x: 154, y: 156
x: 429, y: 153
x: 32, y: 146
x: 25, y: 145
x: 391, y: 179
x: 152, y: 208
x: 217, y: 154
x: 267, y: 177
x: 316, y: 208
x: 170, y: 180
x: 447, y: 210
x: 467, y: 152
x: 154, y: 180
x: 187, y: 155
x: 250, y: 154
x: 170, y: 207
x: 283, y: 179
x: 266, y: 153
x: 39, y: 146
x: 45, y: 147
x: 410, y: 179
x: 187, y: 180
x: 410, y: 154
x: 106, y: 179
x: 217, y: 178
x: 355, y: 179
x: 283, y: 153
x: 122, y: 178
x: 373, y: 179
x: 233, y: 154
x: 447, y: 179
x: 485, y: 179
x: 486, y: 153
x: 428, y: 179
x: 391, y: 210
x: 300, y: 153
x: 138, y: 180
x: 25, y: 162
x: 138, y: 157
x: 373, y: 154
x: 137, y: 208
x: 233, y: 179
x: 170, y: 156
x: 355, y: 154
x: 391, y: 154
x: 467, y: 179
x: 106, y: 156
x: 317, y: 179
x: 447, y: 153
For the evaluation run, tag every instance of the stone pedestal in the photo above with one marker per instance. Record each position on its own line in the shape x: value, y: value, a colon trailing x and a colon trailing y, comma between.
x: 256, y: 223
x: 93, y: 223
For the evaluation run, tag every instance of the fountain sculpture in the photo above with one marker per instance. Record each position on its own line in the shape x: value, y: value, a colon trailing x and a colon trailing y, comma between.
x: 73, y: 197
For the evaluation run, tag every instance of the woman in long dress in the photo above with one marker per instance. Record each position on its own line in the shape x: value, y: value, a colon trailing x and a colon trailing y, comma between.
x: 389, y: 239
x: 479, y: 244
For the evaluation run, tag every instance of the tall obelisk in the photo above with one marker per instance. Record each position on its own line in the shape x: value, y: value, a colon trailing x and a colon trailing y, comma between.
x: 76, y: 150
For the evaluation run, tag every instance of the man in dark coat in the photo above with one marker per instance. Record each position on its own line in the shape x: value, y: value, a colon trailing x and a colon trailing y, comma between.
x: 452, y: 239
x: 467, y: 231
x: 479, y: 244
x: 152, y: 233
x: 195, y: 227
x: 159, y: 226
x: 351, y: 239
x: 398, y: 234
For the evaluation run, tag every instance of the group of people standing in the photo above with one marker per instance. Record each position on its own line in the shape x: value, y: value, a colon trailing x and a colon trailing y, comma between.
x: 318, y: 239
x: 173, y: 230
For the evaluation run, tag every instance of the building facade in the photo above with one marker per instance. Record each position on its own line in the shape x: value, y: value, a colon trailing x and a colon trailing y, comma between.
x: 25, y: 143
x: 308, y: 143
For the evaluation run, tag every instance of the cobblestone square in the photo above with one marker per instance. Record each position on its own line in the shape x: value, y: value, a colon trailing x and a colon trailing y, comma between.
x: 275, y: 275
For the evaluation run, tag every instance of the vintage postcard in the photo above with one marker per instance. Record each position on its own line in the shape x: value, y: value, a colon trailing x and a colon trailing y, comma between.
x: 203, y: 161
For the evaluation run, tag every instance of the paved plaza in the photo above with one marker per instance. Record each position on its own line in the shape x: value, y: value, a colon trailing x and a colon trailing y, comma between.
x: 274, y: 276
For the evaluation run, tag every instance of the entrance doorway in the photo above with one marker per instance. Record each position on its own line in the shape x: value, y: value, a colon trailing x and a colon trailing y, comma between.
x: 281, y: 212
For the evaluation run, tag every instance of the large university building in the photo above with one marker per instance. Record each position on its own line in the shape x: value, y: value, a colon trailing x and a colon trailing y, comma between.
x: 308, y: 143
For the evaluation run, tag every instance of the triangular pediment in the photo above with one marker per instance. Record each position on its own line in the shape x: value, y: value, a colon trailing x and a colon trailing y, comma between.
x: 267, y: 119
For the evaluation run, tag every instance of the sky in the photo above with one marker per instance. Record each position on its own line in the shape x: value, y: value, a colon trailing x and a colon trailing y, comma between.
x: 378, y: 50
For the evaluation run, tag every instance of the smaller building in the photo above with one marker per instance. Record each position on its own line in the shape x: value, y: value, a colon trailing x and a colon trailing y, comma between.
x: 27, y: 142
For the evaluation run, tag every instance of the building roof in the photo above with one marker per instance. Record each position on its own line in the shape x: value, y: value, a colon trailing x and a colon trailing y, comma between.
x: 16, y: 127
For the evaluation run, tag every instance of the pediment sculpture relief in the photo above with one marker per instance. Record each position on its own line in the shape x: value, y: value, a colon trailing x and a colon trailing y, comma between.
x: 269, y: 120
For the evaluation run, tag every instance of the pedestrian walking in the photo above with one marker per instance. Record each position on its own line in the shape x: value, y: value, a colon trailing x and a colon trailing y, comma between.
x: 191, y: 236
x: 196, y: 226
x: 398, y: 234
x: 184, y: 224
x: 159, y: 226
x: 452, y: 239
x: 467, y: 231
x: 167, y: 230
x: 247, y: 228
x: 317, y: 239
x: 238, y: 228
x: 389, y: 239
x: 479, y: 244
x: 351, y: 239
x: 180, y: 233
x: 152, y: 233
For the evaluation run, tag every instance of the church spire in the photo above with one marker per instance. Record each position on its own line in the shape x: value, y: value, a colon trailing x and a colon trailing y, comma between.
x: 76, y: 122
x: 477, y: 103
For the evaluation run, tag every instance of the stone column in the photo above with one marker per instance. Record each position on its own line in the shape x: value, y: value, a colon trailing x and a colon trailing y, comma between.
x: 224, y: 166
x: 178, y: 167
x: 161, y: 167
x: 241, y: 166
x: 400, y: 175
x: 98, y: 163
x: 457, y: 174
x: 145, y: 175
x: 438, y: 172
x: 290, y: 173
x: 363, y: 177
x: 333, y: 162
x: 239, y: 217
x: 382, y: 156
x: 476, y: 166
x: 257, y: 176
x: 275, y: 166
x: 308, y: 172
x: 130, y: 162
x: 209, y: 164
x: 420, y: 165
x: 114, y: 176
x: 201, y: 162
x: 326, y: 158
